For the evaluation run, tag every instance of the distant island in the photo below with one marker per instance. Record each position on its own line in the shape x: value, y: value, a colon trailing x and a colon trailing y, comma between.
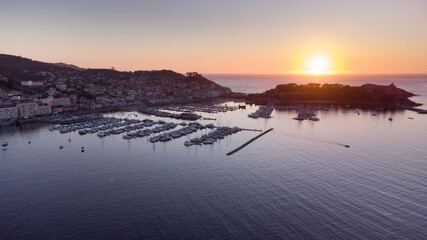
x: 367, y: 96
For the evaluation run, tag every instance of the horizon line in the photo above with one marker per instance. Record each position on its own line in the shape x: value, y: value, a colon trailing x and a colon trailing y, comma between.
x: 219, y: 73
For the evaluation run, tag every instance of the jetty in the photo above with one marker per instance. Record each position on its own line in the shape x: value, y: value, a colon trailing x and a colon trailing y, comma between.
x: 418, y: 110
x: 249, y: 142
x: 157, y: 113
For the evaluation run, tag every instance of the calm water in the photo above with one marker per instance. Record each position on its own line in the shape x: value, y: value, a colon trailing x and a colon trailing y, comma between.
x: 297, y: 182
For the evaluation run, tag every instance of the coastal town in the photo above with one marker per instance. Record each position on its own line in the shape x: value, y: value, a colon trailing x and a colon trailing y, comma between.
x: 32, y: 89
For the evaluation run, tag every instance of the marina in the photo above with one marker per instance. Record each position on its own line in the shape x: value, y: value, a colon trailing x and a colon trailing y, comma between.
x: 204, y: 108
x: 155, y: 131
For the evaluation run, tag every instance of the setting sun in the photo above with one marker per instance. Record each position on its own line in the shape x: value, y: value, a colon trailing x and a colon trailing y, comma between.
x: 318, y: 65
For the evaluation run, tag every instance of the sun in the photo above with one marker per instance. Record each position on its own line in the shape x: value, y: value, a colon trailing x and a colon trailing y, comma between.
x: 318, y: 65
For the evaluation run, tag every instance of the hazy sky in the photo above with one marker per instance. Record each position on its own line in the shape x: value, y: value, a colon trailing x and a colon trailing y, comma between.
x: 221, y: 36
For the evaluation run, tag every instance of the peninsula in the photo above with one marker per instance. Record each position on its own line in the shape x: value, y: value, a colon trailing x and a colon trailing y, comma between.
x: 365, y: 96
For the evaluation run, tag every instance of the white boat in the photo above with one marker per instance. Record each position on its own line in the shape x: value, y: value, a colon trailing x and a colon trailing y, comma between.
x: 100, y: 134
x: 196, y: 140
x: 176, y: 135
x: 209, y: 141
x: 188, y: 143
x: 63, y: 130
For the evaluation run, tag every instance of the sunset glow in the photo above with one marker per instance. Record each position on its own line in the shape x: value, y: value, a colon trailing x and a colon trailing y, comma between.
x: 223, y: 36
x: 318, y: 65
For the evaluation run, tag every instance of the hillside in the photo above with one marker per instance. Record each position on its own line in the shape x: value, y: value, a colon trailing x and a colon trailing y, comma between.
x: 105, y: 87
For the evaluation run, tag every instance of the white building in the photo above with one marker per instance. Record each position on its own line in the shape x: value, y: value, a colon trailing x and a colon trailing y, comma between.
x: 61, y: 101
x: 44, y: 110
x: 27, y: 83
x: 8, y: 112
x: 31, y: 83
x: 27, y: 109
x: 15, y: 98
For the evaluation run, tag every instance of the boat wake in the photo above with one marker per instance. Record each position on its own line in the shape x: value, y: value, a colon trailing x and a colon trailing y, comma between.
x: 316, y: 139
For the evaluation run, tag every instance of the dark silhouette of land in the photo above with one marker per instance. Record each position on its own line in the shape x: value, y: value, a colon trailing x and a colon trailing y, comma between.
x: 368, y: 95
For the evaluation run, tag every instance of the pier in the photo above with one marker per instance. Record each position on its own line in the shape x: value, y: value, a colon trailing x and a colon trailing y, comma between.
x: 248, y: 142
x: 418, y: 110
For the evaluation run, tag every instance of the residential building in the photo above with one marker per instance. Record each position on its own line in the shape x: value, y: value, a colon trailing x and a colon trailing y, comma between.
x: 27, y: 109
x: 44, y: 110
x: 61, y: 86
x: 31, y: 83
x: 48, y: 101
x: 62, y: 101
x: 8, y: 112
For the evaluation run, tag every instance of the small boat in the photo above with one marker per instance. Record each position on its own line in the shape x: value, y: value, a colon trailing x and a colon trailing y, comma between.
x: 61, y: 147
x: 410, y: 118
x: 63, y: 130
x: 347, y: 146
x: 69, y: 140
x: 242, y: 106
x: 5, y: 144
x: 127, y: 137
x: 196, y: 140
x: 209, y: 141
x: 29, y: 142
x: 390, y: 119
x: 188, y: 143
x: 83, y: 149
x: 101, y: 134
x: 176, y: 135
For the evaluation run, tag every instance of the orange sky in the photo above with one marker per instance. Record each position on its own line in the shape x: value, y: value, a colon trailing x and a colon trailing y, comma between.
x: 358, y: 37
